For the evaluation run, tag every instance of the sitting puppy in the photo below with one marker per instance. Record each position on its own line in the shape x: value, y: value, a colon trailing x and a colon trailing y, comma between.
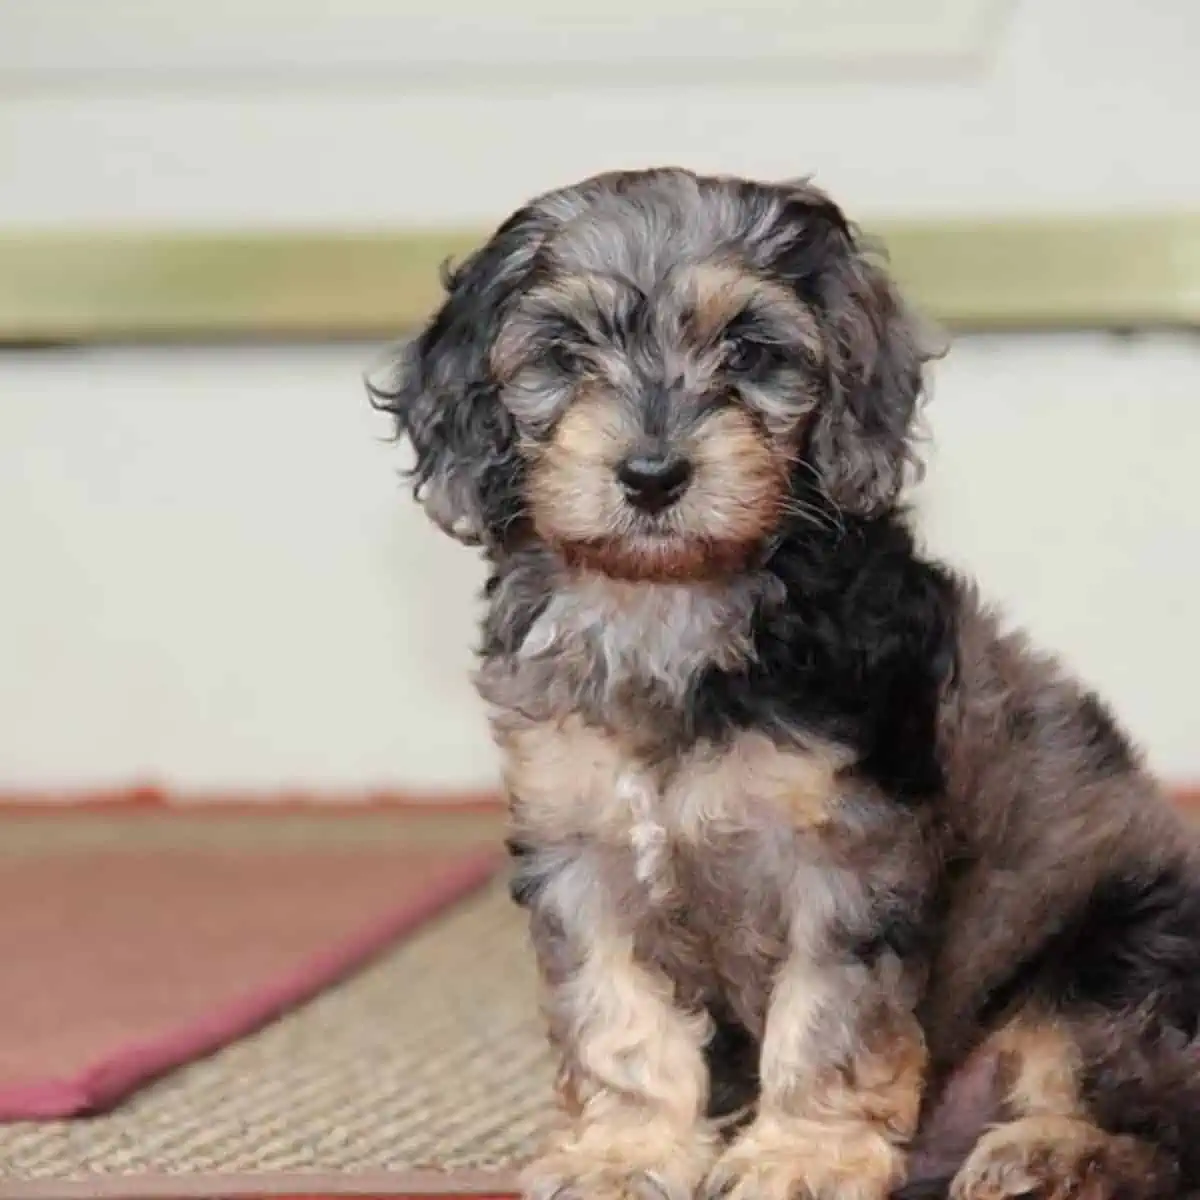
x: 800, y: 828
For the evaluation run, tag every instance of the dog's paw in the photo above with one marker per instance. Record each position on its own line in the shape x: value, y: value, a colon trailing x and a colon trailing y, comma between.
x: 1053, y: 1158
x: 804, y: 1160
x: 632, y: 1164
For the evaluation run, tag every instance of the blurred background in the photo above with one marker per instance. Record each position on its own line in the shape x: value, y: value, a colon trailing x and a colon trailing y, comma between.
x: 212, y: 216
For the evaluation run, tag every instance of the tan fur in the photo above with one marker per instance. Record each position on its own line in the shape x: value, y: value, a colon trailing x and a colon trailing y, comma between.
x: 516, y: 345
x: 1040, y: 1063
x: 724, y: 787
x: 577, y: 780
x: 566, y: 775
x: 720, y: 291
x: 838, y: 1107
x: 632, y: 1051
x: 735, y: 497
x: 873, y: 1085
x: 638, y: 1158
x: 740, y: 479
x: 780, y: 1159
x: 571, y: 487
x: 1050, y: 1147
x: 1053, y: 1158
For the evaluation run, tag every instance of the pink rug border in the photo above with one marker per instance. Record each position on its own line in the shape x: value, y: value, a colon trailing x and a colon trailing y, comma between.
x: 139, y: 799
x: 101, y: 1085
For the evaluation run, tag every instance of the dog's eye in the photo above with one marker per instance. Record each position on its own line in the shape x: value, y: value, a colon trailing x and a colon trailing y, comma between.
x: 563, y: 358
x: 746, y: 357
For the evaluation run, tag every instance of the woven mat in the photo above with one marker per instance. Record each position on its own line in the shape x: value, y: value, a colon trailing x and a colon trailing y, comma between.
x: 432, y: 1058
x: 427, y: 1071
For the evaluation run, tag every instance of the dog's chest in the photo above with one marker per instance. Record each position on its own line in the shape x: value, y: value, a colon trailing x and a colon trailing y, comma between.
x: 612, y: 650
x: 721, y: 815
x: 698, y: 850
x: 699, y: 839
x: 652, y: 831
x: 689, y: 826
x: 699, y: 856
x: 591, y: 710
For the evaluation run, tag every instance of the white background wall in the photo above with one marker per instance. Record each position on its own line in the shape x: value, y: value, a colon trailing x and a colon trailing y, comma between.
x: 210, y: 575
x: 1076, y: 105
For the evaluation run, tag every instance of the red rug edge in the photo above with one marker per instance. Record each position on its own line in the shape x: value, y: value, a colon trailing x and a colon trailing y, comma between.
x: 129, y: 1067
x: 143, y: 798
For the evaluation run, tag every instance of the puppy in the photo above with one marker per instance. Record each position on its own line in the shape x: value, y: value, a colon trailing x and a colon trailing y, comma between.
x: 800, y: 827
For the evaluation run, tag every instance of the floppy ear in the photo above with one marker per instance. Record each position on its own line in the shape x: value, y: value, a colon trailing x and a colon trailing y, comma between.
x: 467, y: 473
x: 861, y: 441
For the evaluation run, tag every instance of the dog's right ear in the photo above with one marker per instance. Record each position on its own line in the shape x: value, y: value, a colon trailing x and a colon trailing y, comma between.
x: 445, y: 400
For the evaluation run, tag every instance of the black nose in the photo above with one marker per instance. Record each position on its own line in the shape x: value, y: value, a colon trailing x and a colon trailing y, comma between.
x: 654, y: 481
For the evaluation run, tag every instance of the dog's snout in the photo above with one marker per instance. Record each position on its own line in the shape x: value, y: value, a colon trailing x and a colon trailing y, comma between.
x: 652, y: 482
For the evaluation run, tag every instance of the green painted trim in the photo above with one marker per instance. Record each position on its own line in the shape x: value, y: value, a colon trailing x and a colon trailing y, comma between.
x: 156, y: 287
x: 1120, y: 272
x: 1113, y: 273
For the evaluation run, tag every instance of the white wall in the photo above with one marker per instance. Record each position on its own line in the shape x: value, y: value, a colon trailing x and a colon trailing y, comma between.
x: 210, y: 575
x: 1082, y: 105
x: 1064, y: 476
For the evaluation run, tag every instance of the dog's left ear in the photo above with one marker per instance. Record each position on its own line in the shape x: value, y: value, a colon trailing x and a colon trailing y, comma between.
x: 861, y: 440
x: 445, y: 399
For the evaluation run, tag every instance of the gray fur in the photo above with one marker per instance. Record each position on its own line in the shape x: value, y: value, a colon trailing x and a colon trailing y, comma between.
x: 597, y: 280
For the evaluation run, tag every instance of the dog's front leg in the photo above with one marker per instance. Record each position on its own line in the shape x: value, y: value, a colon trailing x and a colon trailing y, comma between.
x: 842, y: 1069
x: 632, y: 1077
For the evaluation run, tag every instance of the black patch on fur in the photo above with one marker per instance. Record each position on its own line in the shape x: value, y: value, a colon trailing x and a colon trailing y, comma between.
x: 1110, y: 749
x: 1147, y: 1085
x: 858, y: 652
x: 752, y: 350
x: 527, y: 876
x: 821, y: 235
x: 507, y: 625
x: 656, y: 412
x: 1022, y: 721
x: 904, y: 930
x: 933, y: 1188
x: 732, y: 1058
x: 1136, y: 942
x: 1133, y: 945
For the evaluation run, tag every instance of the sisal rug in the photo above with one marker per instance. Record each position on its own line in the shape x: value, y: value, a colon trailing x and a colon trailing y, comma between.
x: 425, y: 1072
x: 124, y: 958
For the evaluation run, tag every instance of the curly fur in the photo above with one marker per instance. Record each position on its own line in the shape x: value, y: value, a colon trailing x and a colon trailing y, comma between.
x: 835, y: 884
